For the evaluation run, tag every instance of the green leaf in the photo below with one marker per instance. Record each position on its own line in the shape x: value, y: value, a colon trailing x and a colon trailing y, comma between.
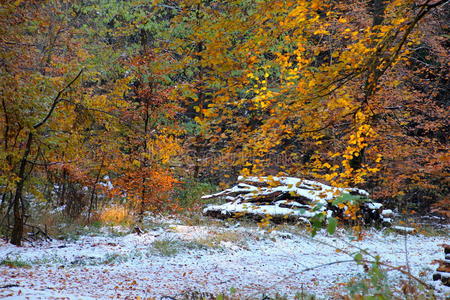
x: 332, y: 223
x: 358, y: 257
x: 349, y: 198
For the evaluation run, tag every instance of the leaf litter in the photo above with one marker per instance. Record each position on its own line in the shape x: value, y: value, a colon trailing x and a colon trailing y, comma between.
x: 250, y: 261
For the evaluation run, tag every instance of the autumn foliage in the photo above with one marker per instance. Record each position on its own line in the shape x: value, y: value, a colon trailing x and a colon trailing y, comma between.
x: 332, y: 86
x: 119, y: 101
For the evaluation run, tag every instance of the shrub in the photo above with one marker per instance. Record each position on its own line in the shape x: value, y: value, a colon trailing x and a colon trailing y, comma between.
x: 188, y: 194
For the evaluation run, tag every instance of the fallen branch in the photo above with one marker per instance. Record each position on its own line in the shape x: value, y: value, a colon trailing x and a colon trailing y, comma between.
x: 6, y: 286
x: 38, y: 231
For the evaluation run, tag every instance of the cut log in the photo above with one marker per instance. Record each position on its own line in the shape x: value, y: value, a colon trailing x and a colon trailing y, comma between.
x: 443, y: 267
x: 437, y: 276
x: 291, y: 198
x: 445, y: 278
x: 265, y: 198
x: 446, y: 248
x: 443, y: 270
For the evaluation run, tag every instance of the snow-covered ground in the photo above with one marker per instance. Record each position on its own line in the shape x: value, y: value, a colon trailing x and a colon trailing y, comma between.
x: 175, y: 258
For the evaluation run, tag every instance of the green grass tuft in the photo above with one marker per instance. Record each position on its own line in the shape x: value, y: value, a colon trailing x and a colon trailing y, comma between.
x: 15, y: 263
x: 172, y: 248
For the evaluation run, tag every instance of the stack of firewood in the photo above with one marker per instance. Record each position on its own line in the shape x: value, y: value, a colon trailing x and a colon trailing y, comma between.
x: 443, y: 271
x: 294, y: 199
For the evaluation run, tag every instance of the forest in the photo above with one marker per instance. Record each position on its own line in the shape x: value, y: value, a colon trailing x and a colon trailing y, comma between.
x: 126, y: 125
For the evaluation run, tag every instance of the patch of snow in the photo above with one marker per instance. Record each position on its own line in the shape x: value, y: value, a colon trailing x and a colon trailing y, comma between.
x: 42, y: 293
x: 58, y: 209
x: 374, y: 205
x: 387, y: 212
x: 404, y: 229
x: 303, y: 187
x: 443, y: 274
x: 107, y: 182
x: 241, y: 187
x: 273, y: 210
x: 291, y: 203
x: 103, y: 267
x: 190, y: 232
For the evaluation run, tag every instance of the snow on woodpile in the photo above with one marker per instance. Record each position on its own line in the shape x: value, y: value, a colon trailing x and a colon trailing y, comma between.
x: 294, y: 199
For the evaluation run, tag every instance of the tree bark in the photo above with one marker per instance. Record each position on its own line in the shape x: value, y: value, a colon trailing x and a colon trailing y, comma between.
x: 17, y: 232
x: 91, y: 200
x: 377, y: 8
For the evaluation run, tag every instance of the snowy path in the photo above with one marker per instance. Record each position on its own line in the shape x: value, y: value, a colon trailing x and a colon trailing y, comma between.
x: 202, y: 259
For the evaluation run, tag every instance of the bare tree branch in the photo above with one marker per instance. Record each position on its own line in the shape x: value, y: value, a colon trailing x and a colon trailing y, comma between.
x: 56, y: 100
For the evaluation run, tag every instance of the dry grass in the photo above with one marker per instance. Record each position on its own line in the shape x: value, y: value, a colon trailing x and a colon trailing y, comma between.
x: 116, y: 215
x: 216, y: 239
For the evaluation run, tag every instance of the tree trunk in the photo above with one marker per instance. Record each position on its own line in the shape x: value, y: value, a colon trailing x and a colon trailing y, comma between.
x: 377, y: 9
x: 62, y: 189
x: 17, y: 232
x: 93, y: 193
x: 142, y: 206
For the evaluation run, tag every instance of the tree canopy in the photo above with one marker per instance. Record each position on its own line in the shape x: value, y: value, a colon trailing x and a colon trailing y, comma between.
x: 123, y: 101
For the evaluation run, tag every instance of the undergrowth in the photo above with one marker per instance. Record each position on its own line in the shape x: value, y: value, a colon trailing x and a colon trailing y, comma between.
x: 14, y: 263
x: 173, y: 247
x: 188, y: 194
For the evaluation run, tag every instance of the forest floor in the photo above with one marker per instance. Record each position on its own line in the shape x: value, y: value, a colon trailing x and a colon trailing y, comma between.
x: 171, y: 258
